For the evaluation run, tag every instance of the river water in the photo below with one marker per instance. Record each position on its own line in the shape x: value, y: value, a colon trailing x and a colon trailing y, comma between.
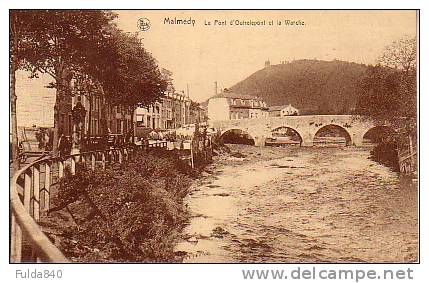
x: 301, y: 205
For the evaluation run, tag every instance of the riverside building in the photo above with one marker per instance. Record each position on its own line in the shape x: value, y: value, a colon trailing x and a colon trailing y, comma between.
x: 231, y: 106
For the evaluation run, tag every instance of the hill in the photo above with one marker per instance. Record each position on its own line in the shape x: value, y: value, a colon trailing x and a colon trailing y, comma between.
x: 313, y: 86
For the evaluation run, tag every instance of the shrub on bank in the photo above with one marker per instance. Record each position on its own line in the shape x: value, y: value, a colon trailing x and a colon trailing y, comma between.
x: 386, y: 154
x: 129, y: 212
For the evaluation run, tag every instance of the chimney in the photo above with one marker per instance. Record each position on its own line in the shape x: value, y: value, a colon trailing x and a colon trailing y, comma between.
x: 187, y: 90
x: 215, y: 88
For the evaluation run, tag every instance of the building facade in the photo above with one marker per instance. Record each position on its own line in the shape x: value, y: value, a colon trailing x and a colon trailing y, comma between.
x: 172, y: 111
x: 282, y: 110
x: 232, y: 106
x: 100, y: 117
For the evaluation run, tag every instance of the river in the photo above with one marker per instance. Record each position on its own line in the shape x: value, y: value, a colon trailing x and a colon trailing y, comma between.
x: 294, y: 205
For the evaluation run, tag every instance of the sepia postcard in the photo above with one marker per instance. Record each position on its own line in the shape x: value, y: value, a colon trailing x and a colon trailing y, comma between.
x: 214, y: 136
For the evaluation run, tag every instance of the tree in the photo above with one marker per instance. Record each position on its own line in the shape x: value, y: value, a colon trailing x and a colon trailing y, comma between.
x: 167, y: 76
x: 20, y: 35
x: 136, y: 79
x: 389, y: 92
x: 400, y: 55
x: 15, y: 38
x: 85, y: 86
x: 65, y: 44
x: 83, y: 50
x: 195, y: 109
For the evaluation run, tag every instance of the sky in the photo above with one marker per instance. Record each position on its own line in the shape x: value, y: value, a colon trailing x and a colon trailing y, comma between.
x: 35, y: 103
x: 199, y: 54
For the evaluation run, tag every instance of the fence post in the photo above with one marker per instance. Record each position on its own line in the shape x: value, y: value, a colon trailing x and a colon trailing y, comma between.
x: 93, y: 161
x: 36, y: 192
x: 125, y: 154
x: 120, y: 156
x: 47, y: 191
x: 73, y: 165
x: 27, y: 190
x: 60, y: 168
x: 103, y: 160
x: 15, y: 241
x: 192, y: 154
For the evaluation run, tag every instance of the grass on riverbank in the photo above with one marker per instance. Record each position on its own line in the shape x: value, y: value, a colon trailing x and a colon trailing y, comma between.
x: 132, y: 212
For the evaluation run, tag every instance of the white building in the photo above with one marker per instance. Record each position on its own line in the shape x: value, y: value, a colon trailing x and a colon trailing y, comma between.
x: 218, y: 109
x: 282, y: 110
x: 289, y: 110
x: 231, y: 106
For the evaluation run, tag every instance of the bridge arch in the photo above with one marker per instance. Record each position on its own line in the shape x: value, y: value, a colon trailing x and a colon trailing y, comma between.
x: 285, y: 135
x: 306, y: 125
x: 237, y: 135
x: 330, y: 131
x: 376, y: 134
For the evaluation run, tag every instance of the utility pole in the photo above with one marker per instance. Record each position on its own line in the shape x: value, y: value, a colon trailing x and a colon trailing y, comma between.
x: 187, y: 105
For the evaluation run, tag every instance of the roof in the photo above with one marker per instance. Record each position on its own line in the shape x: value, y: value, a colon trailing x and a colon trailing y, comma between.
x: 236, y: 96
x: 277, y: 107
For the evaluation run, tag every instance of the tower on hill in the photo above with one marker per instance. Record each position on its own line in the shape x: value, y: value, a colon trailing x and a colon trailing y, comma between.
x: 267, y: 63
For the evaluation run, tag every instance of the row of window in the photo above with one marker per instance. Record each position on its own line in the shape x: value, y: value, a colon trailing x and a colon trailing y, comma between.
x: 119, y: 126
x: 247, y: 114
x: 157, y: 122
x: 165, y: 107
x: 246, y: 102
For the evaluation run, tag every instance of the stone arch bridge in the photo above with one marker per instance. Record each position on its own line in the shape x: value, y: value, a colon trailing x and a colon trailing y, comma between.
x: 306, y: 126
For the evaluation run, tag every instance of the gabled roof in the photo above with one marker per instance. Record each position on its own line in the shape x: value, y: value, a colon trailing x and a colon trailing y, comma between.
x: 236, y: 96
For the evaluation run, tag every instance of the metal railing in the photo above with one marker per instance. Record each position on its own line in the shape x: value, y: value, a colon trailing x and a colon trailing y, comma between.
x: 30, y: 192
